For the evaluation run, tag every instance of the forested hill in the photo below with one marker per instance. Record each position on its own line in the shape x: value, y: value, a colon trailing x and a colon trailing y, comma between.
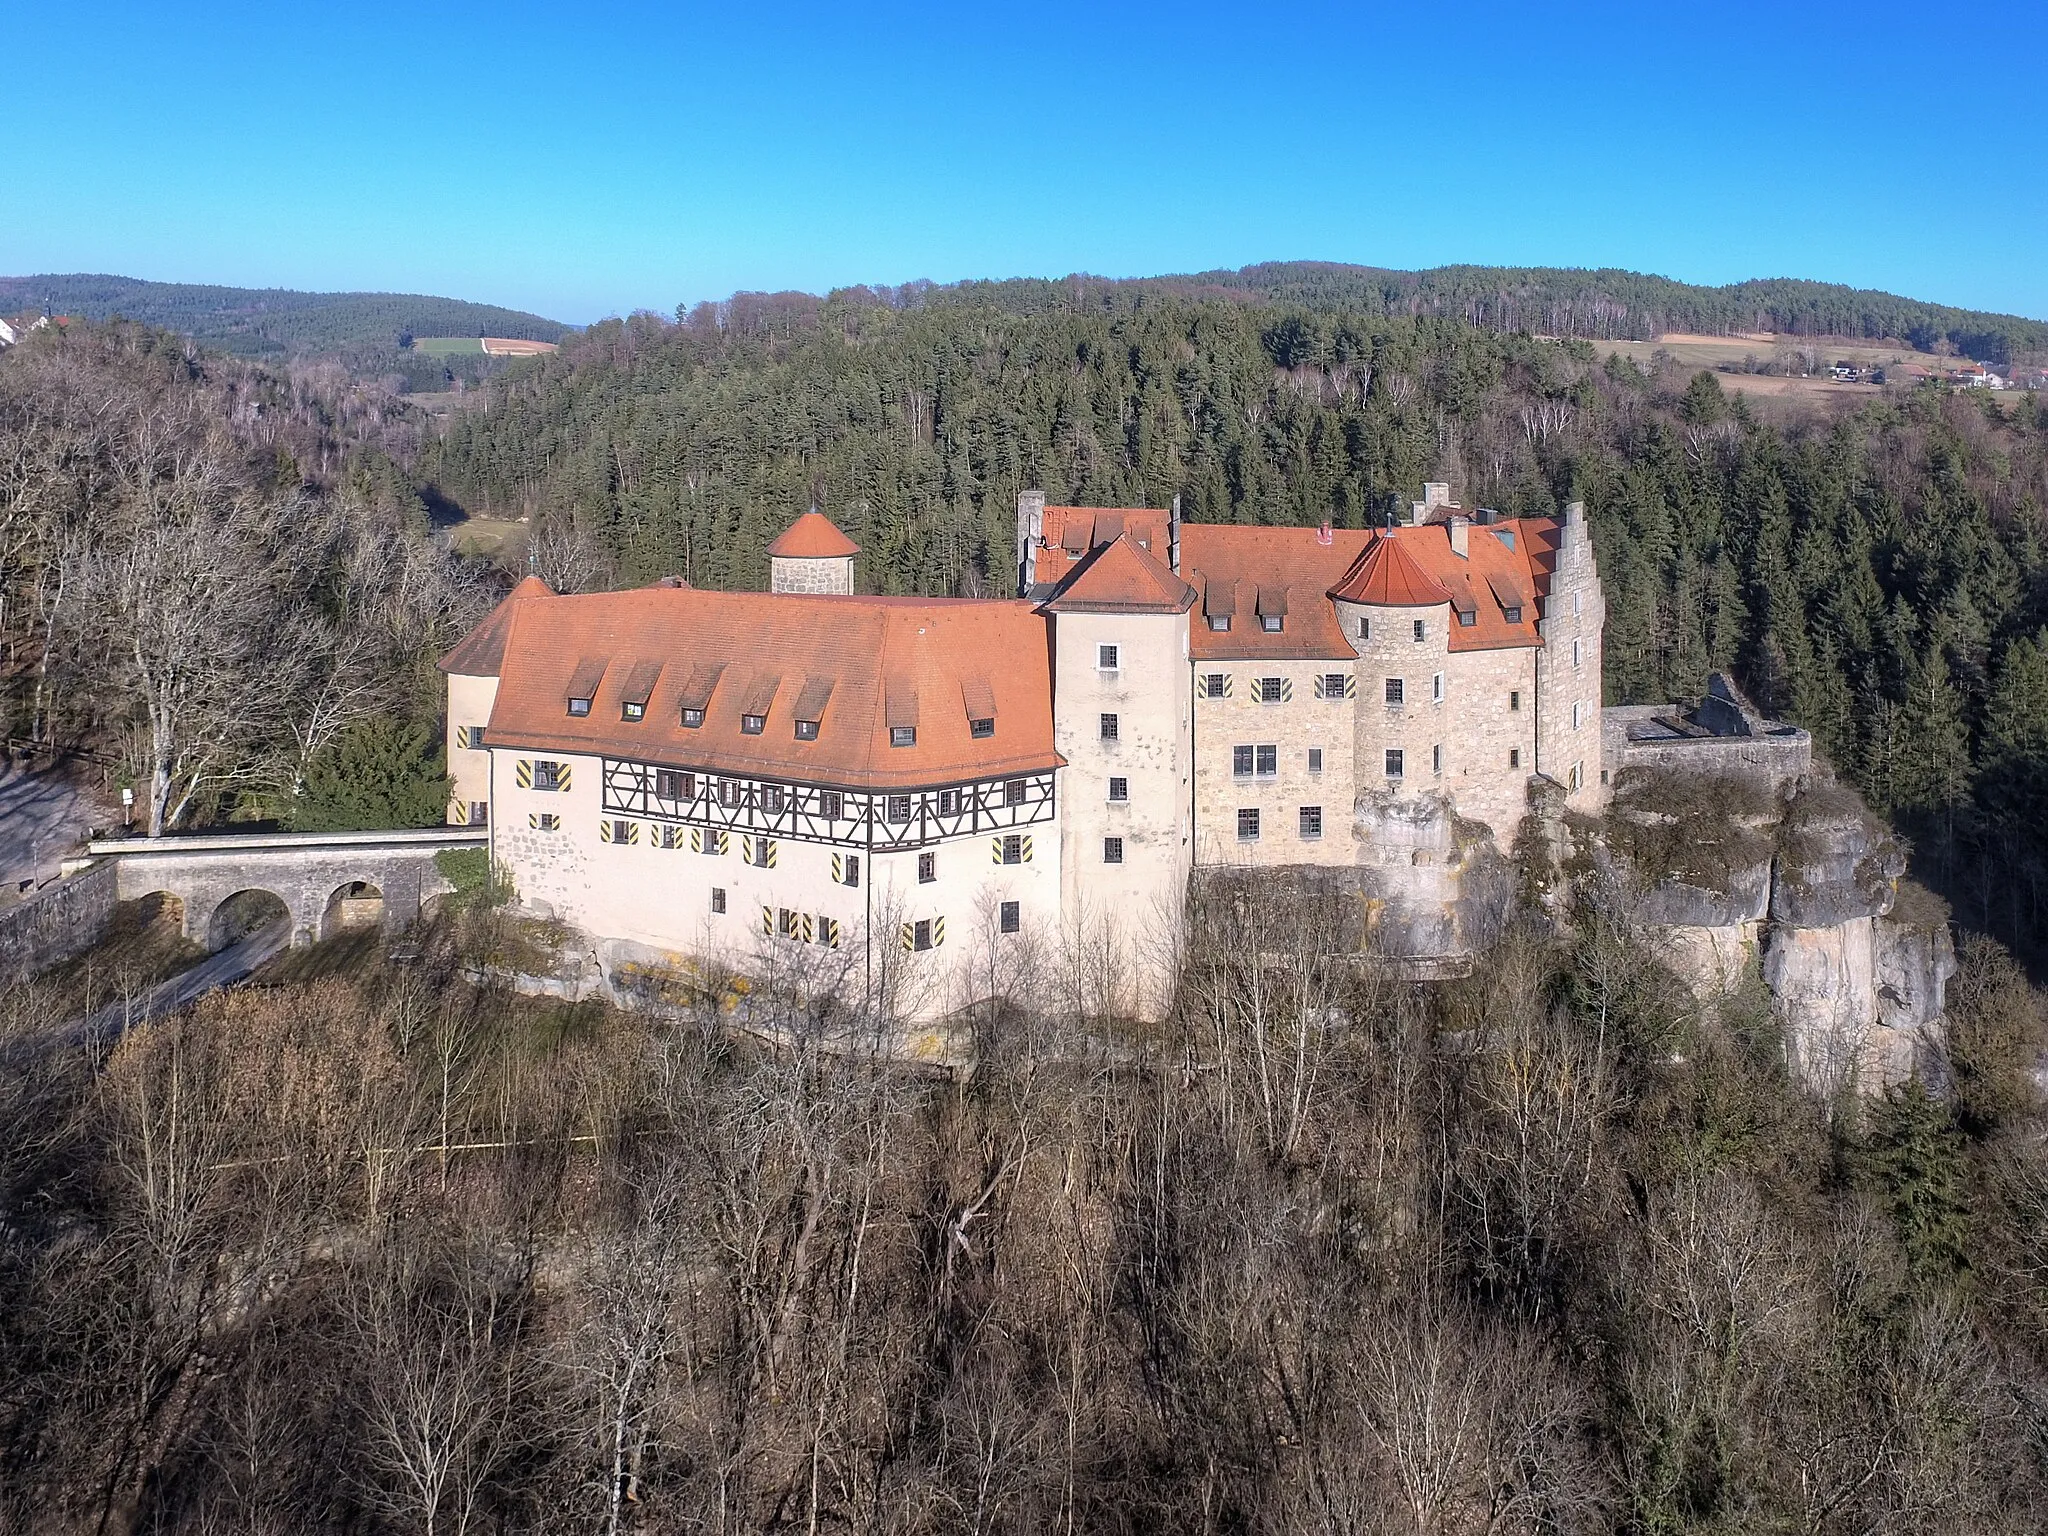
x: 1881, y: 576
x: 271, y: 323
x: 1605, y: 304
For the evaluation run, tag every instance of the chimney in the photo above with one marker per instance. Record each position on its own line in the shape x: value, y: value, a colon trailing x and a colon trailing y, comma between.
x: 1173, y: 536
x: 1434, y: 494
x: 1461, y: 537
x: 1030, y: 529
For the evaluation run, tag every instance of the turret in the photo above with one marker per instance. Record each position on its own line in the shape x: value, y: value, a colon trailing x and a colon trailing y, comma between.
x: 812, y: 556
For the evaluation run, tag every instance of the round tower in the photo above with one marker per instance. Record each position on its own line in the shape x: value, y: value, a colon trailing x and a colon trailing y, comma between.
x: 812, y: 556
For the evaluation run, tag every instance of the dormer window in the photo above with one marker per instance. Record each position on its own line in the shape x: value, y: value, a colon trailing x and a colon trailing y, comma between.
x: 981, y: 729
x: 583, y: 686
x: 579, y: 707
x: 902, y: 735
x: 1467, y: 617
x: 1220, y: 623
x: 807, y: 730
x: 1271, y: 622
x: 1513, y: 615
x: 631, y: 711
x: 692, y: 717
x: 753, y: 725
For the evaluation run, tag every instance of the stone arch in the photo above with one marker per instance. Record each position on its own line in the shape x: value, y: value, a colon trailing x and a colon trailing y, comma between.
x: 244, y: 912
x: 350, y: 905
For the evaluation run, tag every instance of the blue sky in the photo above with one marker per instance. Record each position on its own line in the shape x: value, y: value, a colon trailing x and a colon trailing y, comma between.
x: 591, y: 160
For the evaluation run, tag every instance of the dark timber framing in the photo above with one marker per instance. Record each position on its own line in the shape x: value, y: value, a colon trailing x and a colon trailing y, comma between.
x: 926, y: 815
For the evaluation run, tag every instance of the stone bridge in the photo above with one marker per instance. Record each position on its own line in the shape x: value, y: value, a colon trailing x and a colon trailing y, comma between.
x: 323, y: 881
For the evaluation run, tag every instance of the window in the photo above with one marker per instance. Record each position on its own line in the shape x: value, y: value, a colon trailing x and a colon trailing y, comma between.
x: 549, y: 775
x: 849, y: 870
x: 1514, y: 757
x: 1393, y: 762
x: 1271, y: 690
x: 1575, y: 715
x: 692, y: 717
x: 902, y: 735
x: 1109, y: 728
x: 479, y: 813
x: 547, y: 821
x: 1241, y: 761
x: 579, y: 707
x: 732, y: 794
x: 1436, y: 687
x: 1575, y: 602
x: 718, y: 898
x: 672, y: 785
x: 1119, y: 789
x: 921, y: 934
x: 1013, y: 849
x: 773, y: 798
x: 709, y: 843
x: 1421, y: 630
x: 1215, y: 685
x: 763, y: 851
x: 786, y: 923
x: 927, y: 868
x: 622, y: 832
x: 1013, y: 791
x: 1512, y: 615
x: 899, y: 809
x: 1311, y: 821
x: 1365, y: 629
x: 1012, y: 919
x: 1575, y: 778
x: 1247, y: 826
x: 1436, y: 758
x: 469, y: 737
x: 1105, y: 657
x: 1220, y: 623
x: 807, y: 730
x: 1271, y: 622
x: 1315, y: 759
x: 1395, y: 688
x: 1467, y: 617
x: 1269, y: 761
x: 981, y: 729
x: 1333, y: 685
x: 1575, y: 653
x: 828, y: 931
x: 831, y: 804
x: 1112, y: 850
x: 753, y: 725
x: 949, y: 802
x: 667, y: 837
x: 1514, y: 698
x: 632, y: 711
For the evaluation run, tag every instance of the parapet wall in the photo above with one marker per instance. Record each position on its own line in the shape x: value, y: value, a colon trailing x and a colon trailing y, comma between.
x: 1632, y: 737
x: 57, y: 922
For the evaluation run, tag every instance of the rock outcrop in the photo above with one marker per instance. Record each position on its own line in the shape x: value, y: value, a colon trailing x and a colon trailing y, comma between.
x: 1799, y: 880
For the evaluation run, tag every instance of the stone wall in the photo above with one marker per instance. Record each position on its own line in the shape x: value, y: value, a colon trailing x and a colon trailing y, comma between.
x: 57, y: 922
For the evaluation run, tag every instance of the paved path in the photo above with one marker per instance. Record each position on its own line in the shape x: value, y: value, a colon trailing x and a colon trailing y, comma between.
x: 230, y: 965
x: 43, y: 816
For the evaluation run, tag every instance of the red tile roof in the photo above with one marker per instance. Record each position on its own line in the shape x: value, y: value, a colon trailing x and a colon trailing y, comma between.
x: 1232, y: 565
x: 813, y: 536
x: 1121, y: 577
x: 1069, y: 533
x: 928, y: 662
x: 1402, y: 567
x: 482, y: 651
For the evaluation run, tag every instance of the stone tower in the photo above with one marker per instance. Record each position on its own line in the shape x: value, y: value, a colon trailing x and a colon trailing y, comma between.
x: 812, y: 556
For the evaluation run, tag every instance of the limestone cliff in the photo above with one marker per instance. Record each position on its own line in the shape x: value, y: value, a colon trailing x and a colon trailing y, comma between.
x: 1799, y: 880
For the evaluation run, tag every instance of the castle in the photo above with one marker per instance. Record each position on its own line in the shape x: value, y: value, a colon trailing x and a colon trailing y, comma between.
x: 904, y: 785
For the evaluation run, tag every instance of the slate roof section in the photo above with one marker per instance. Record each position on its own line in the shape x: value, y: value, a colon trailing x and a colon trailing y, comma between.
x: 481, y: 652
x: 1121, y: 577
x: 814, y: 536
x: 919, y: 655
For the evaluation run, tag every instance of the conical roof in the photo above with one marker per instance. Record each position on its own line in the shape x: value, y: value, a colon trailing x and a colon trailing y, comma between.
x: 1387, y: 576
x: 482, y: 651
x: 813, y: 536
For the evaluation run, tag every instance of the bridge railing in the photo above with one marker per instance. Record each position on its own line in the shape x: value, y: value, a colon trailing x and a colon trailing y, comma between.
x: 259, y: 842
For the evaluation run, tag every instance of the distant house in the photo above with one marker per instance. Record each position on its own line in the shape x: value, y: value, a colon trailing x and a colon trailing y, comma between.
x: 14, y: 327
x: 1974, y: 376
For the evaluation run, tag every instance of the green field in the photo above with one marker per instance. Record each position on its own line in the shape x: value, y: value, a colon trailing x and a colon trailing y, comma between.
x: 449, y: 346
